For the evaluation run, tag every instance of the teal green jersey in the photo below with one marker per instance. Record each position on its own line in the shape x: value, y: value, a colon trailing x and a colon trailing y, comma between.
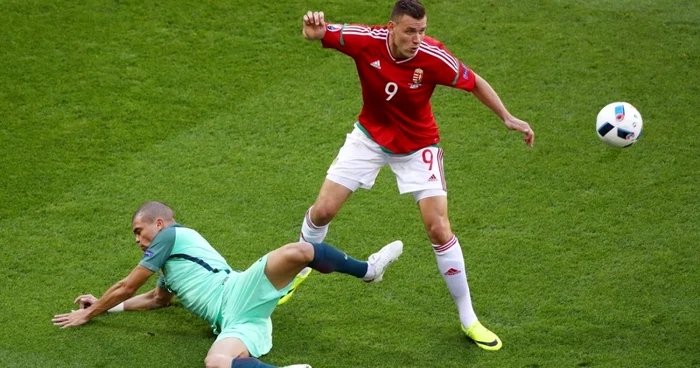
x: 192, y: 269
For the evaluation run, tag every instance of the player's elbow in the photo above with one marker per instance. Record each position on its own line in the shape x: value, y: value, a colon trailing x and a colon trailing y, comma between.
x: 159, y: 298
x: 161, y: 302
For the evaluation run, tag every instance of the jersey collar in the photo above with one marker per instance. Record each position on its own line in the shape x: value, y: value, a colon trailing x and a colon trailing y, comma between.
x: 388, y: 51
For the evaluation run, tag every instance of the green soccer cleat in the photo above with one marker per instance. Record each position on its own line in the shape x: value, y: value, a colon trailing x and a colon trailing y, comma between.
x: 298, y: 279
x: 483, y: 337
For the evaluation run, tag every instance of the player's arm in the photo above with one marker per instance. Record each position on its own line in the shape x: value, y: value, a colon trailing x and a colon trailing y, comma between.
x: 488, y: 96
x: 121, y: 291
x: 154, y: 299
x: 116, y: 294
x: 350, y: 39
x: 157, y: 298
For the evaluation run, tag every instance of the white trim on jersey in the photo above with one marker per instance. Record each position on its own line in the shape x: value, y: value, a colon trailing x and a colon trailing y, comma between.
x: 365, y: 28
x: 383, y: 34
x: 388, y: 51
x: 365, y: 31
x: 441, y: 54
x: 364, y: 34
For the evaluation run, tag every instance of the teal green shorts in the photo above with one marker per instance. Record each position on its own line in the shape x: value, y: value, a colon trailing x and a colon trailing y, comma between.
x: 248, y: 301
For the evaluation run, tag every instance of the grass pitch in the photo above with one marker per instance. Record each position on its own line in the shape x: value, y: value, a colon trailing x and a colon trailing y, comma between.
x: 579, y: 255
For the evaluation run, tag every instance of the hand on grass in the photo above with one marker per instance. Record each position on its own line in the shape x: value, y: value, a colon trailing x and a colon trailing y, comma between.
x: 74, y: 318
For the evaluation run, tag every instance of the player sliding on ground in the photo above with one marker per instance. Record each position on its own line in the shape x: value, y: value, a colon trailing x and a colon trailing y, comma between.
x: 237, y: 304
x: 399, y: 68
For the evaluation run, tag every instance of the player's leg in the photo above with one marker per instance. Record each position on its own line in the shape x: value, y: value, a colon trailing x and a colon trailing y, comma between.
x: 356, y: 166
x: 450, y: 261
x: 448, y: 253
x: 422, y: 174
x: 231, y: 352
x: 317, y: 219
x: 224, y: 351
x: 284, y: 263
x: 251, y: 296
x: 330, y: 199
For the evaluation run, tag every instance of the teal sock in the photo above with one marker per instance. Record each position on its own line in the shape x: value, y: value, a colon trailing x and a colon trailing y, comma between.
x: 328, y: 259
x: 249, y: 363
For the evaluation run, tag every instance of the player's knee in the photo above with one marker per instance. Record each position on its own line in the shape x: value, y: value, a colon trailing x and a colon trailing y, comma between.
x: 300, y: 253
x: 217, y: 361
x: 322, y: 214
x: 439, y: 231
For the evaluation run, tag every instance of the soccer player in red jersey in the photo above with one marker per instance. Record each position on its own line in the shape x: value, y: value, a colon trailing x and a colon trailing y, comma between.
x: 399, y: 67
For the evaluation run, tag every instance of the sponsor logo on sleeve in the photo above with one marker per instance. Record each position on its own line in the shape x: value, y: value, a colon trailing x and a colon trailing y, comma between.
x: 147, y: 253
x: 334, y: 27
x: 465, y: 73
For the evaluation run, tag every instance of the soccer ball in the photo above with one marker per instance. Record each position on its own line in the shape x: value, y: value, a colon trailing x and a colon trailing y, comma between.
x: 619, y: 124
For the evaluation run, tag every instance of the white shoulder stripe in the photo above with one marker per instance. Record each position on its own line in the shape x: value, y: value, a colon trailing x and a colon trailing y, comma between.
x: 448, y: 62
x: 356, y: 28
x: 353, y: 33
x: 440, y: 53
x: 365, y: 29
x: 434, y: 48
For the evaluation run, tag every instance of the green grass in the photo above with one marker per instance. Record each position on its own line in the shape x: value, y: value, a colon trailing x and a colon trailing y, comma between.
x: 579, y: 255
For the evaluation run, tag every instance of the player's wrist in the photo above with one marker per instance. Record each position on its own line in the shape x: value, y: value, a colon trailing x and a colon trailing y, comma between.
x: 505, y: 116
x: 117, y: 308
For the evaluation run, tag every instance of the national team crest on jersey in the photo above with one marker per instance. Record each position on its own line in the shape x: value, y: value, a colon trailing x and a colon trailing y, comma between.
x: 417, y: 76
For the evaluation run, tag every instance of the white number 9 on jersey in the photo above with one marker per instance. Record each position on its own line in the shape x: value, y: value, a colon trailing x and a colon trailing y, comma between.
x: 391, y: 89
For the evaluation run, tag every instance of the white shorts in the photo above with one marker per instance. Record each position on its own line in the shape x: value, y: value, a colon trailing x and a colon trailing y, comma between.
x: 360, y: 159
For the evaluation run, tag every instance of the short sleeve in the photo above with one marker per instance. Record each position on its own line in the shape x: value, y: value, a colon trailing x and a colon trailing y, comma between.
x: 449, y: 70
x: 349, y: 39
x: 158, y: 252
x: 455, y: 74
x: 465, y: 79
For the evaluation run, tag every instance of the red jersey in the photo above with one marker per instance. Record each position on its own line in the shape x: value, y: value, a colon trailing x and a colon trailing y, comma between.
x: 396, y: 110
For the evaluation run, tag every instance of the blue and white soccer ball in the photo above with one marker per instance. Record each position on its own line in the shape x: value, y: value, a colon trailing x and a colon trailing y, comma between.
x: 619, y: 124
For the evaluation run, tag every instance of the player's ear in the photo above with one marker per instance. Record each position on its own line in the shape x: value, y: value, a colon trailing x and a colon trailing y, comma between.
x: 390, y: 26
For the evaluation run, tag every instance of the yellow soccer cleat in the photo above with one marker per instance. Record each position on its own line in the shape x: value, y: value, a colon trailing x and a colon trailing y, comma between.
x: 298, y: 279
x: 483, y: 337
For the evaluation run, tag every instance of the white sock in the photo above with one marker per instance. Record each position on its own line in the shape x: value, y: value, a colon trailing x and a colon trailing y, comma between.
x: 311, y: 233
x: 451, y: 265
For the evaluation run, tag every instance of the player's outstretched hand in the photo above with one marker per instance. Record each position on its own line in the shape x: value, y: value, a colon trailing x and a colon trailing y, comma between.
x: 314, y: 26
x: 514, y: 123
x: 74, y: 318
x: 85, y: 301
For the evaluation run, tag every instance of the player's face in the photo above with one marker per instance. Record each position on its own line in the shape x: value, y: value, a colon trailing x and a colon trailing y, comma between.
x: 406, y: 35
x: 145, y: 231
